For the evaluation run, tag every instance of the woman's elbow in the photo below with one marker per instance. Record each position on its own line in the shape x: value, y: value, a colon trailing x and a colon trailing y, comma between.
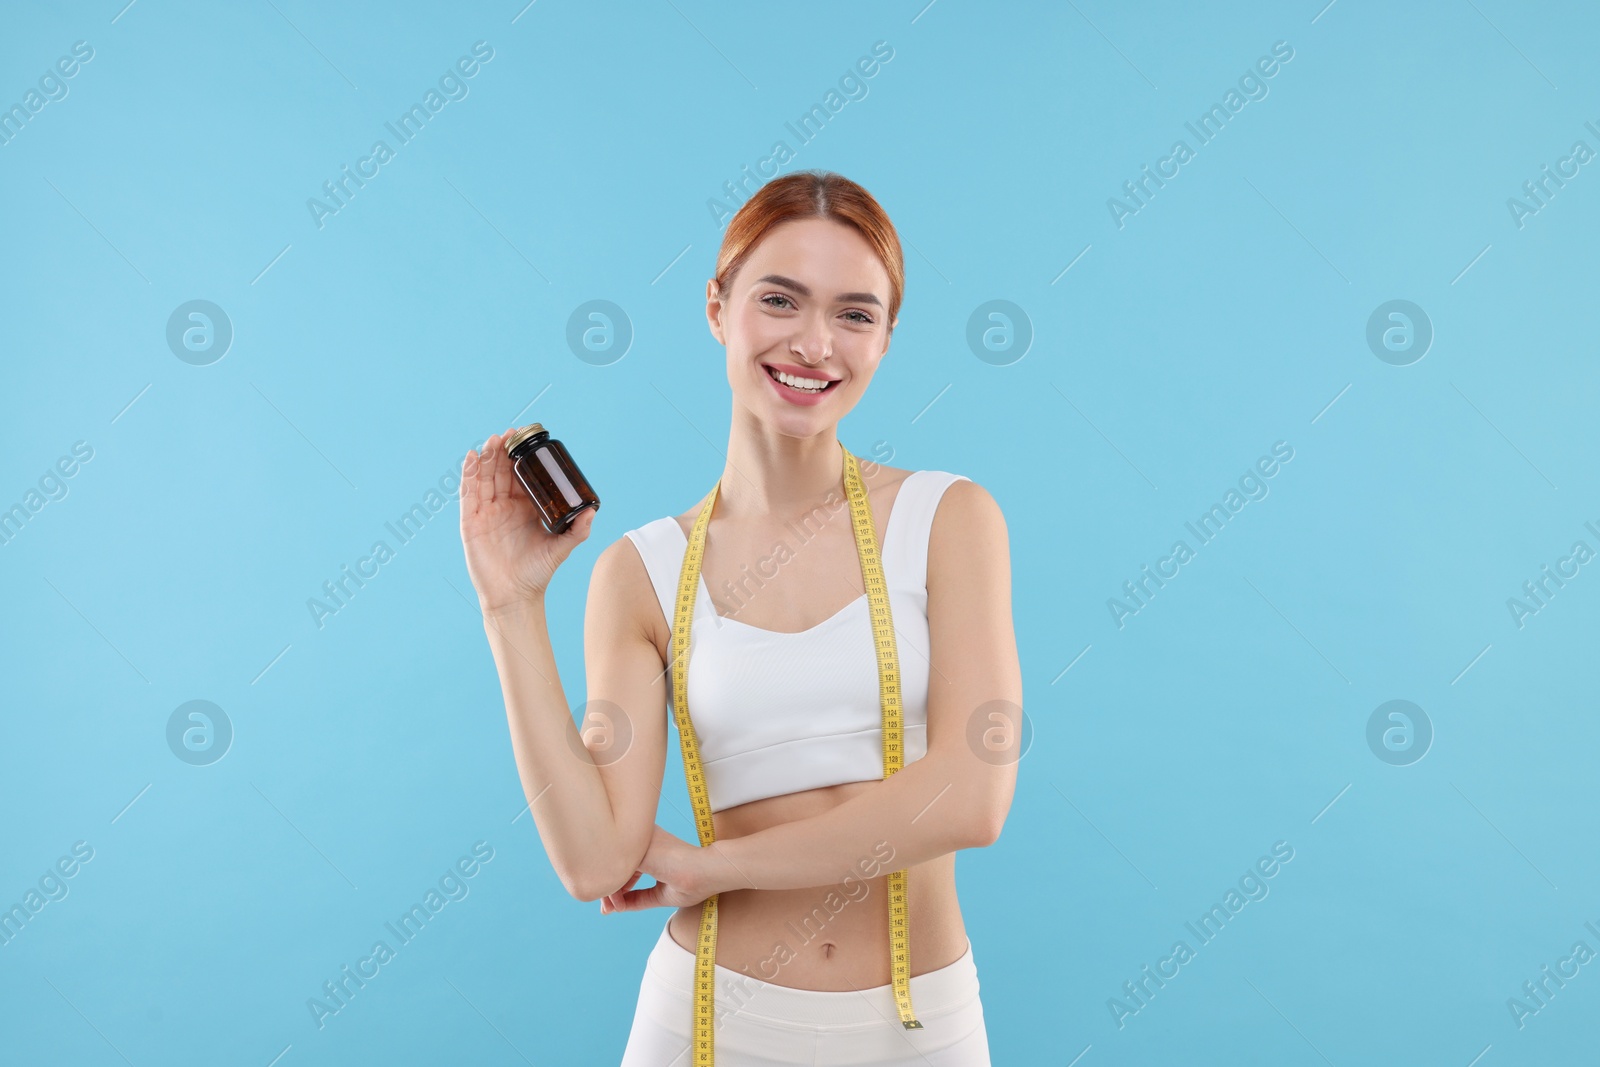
x: 986, y: 828
x: 579, y: 886
x: 588, y: 885
x: 589, y: 890
x: 605, y: 877
x: 989, y: 817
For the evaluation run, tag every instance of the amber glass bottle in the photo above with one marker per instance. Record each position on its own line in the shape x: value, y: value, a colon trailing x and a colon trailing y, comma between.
x: 546, y: 471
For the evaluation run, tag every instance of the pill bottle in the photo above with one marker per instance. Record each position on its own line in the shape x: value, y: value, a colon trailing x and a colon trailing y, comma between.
x: 545, y: 468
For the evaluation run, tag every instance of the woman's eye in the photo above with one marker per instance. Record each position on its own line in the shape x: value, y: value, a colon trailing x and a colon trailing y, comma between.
x: 781, y: 302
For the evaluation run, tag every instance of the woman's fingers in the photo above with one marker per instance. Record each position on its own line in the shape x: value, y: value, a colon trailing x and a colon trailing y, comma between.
x: 482, y: 486
x: 502, y: 467
x: 581, y: 525
x: 629, y: 899
x: 639, y: 899
x: 469, y: 490
x: 610, y: 902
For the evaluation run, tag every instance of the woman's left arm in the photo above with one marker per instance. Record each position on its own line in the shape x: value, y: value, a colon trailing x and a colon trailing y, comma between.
x: 957, y: 795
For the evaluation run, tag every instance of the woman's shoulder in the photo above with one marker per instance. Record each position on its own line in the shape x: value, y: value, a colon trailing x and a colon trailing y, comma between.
x: 877, y: 474
x: 969, y: 502
x: 952, y: 484
x: 645, y: 535
x: 968, y: 507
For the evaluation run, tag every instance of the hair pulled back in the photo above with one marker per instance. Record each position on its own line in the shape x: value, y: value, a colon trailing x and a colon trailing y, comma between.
x: 812, y: 194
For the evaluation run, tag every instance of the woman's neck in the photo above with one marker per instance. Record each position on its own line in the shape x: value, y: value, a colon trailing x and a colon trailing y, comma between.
x: 770, y: 475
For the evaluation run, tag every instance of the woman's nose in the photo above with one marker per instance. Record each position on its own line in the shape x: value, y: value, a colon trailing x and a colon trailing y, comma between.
x: 812, y: 342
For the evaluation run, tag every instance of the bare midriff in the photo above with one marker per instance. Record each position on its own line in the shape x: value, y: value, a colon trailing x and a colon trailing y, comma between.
x: 826, y: 937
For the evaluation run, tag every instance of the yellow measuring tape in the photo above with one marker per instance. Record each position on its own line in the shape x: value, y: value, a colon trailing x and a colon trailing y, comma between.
x: 893, y: 748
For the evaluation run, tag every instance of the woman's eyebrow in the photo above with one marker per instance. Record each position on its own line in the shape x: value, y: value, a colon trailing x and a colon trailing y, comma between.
x: 790, y: 283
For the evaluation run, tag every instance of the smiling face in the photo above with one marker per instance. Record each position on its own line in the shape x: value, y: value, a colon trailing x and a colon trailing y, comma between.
x: 810, y: 301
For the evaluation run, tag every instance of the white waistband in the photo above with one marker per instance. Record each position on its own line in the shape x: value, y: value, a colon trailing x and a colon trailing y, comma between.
x: 938, y: 992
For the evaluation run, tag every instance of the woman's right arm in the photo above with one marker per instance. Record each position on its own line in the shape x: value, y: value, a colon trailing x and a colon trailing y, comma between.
x: 593, y: 796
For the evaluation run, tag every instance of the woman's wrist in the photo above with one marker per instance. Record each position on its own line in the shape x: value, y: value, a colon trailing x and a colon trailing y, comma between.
x: 722, y: 871
x: 512, y: 610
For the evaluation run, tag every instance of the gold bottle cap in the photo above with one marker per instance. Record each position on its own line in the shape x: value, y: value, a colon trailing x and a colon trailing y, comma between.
x: 519, y: 436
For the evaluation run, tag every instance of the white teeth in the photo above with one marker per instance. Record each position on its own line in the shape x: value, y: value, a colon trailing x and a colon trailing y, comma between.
x: 810, y: 385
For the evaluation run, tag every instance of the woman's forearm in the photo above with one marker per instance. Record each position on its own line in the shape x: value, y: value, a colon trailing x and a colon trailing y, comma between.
x: 566, y: 794
x: 920, y: 812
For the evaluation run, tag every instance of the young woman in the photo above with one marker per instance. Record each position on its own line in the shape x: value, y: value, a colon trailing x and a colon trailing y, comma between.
x: 783, y: 679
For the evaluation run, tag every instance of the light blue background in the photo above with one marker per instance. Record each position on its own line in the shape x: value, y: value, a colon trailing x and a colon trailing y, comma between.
x: 1229, y: 313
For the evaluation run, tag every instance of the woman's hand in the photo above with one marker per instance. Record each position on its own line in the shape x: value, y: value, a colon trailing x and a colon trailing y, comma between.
x: 511, y: 557
x: 682, y: 872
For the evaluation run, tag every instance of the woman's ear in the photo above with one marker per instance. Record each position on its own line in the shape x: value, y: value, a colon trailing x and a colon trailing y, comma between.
x: 714, y: 312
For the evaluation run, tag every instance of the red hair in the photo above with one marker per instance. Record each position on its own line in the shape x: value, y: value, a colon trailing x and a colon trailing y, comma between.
x: 812, y: 194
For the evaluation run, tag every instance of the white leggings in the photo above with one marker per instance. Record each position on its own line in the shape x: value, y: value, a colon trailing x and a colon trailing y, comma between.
x: 760, y: 1024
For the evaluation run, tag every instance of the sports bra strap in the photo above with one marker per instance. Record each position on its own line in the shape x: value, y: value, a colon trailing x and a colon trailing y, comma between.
x: 905, y: 547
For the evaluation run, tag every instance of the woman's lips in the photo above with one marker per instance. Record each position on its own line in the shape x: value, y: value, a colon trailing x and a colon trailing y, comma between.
x: 797, y: 396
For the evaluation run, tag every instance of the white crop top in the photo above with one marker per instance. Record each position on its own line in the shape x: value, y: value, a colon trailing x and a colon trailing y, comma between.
x: 777, y: 713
